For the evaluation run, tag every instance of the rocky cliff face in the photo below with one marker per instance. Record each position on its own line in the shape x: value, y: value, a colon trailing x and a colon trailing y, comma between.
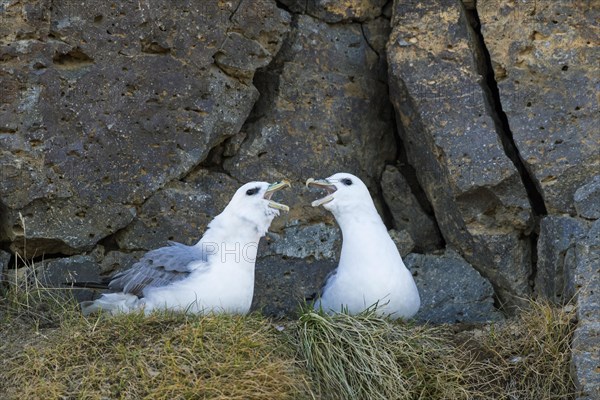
x: 128, y: 124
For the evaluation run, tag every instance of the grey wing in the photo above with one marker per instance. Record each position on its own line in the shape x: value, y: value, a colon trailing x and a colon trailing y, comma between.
x: 159, y: 267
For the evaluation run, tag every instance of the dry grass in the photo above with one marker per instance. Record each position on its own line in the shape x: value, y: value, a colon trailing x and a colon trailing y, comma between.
x: 529, y: 357
x: 161, y: 356
x: 50, y: 351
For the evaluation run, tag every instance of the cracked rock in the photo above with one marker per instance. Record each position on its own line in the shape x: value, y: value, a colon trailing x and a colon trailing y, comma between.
x: 542, y: 53
x: 480, y: 203
x: 103, y: 106
x: 406, y: 211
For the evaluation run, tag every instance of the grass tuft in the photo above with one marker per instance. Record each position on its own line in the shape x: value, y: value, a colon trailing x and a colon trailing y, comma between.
x: 370, y: 357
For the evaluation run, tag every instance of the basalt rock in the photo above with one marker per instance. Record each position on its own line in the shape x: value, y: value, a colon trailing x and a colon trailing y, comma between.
x: 587, y: 199
x: 406, y: 211
x: 542, y: 53
x: 451, y: 290
x: 586, y: 341
x: 453, y: 141
x: 102, y: 106
x: 556, y: 262
x: 333, y: 11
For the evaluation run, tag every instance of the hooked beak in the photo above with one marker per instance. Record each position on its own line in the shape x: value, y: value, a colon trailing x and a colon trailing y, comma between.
x: 272, y: 189
x: 322, y: 184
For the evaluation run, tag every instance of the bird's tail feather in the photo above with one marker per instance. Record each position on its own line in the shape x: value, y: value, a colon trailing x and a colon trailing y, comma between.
x: 112, y: 303
x: 87, y: 285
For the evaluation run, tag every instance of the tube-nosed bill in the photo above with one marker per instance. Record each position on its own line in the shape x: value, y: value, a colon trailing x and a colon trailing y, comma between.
x: 274, y: 187
x: 329, y: 187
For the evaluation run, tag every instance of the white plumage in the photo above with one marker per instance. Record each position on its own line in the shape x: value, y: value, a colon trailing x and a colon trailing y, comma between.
x: 370, y: 269
x: 214, y: 275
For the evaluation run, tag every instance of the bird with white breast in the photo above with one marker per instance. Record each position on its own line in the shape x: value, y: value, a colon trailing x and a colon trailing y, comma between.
x: 370, y: 271
x: 214, y: 275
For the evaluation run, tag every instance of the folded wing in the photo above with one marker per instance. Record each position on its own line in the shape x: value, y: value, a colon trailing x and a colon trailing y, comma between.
x: 160, y: 267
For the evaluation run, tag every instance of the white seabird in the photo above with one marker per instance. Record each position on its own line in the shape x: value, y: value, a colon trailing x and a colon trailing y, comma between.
x: 214, y: 275
x: 371, y: 271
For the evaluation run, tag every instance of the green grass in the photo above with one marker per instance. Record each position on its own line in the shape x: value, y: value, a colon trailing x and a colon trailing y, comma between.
x: 50, y: 351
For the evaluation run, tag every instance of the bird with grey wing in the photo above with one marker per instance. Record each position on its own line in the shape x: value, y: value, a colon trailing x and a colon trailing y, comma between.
x: 370, y: 271
x: 214, y: 275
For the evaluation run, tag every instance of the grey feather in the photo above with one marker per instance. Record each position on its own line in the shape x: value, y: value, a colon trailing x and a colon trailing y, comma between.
x: 160, y: 267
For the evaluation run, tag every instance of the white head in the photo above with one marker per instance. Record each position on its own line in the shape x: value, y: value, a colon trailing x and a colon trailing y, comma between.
x: 253, y: 205
x: 344, y: 192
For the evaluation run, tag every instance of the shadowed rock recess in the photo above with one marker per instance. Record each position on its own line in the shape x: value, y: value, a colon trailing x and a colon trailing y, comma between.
x: 475, y: 126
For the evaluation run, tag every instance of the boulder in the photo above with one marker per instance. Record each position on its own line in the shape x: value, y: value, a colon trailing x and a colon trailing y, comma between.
x: 455, y: 144
x: 451, y: 290
x: 541, y: 53
x: 297, y: 130
x: 102, y: 106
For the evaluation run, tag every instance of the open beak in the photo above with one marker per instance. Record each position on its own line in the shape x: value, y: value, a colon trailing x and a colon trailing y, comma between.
x: 273, y: 187
x: 321, y: 184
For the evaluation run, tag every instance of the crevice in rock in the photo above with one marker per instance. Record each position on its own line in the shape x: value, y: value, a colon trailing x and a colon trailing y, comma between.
x: 17, y: 261
x: 73, y: 59
x: 235, y: 10
x: 490, y: 88
x: 212, y: 162
x: 110, y: 242
x: 494, y: 106
x: 284, y: 7
x: 362, y: 29
x: 409, y: 172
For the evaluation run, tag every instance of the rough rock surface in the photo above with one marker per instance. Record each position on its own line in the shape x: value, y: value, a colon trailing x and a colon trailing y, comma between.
x: 179, y: 211
x: 451, y: 290
x: 317, y: 241
x: 102, y: 106
x: 286, y: 285
x: 406, y: 211
x: 541, y: 53
x: 586, y: 357
x: 403, y: 241
x: 314, y: 119
x: 297, y: 130
x: 333, y: 11
x: 555, y: 259
x: 587, y: 199
x: 453, y: 142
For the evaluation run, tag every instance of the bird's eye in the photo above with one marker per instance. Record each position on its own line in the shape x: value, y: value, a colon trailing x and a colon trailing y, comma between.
x: 252, y: 192
x: 347, y: 181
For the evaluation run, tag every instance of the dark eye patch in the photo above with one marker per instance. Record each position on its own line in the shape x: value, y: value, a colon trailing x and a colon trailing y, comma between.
x: 347, y: 181
x: 252, y: 192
